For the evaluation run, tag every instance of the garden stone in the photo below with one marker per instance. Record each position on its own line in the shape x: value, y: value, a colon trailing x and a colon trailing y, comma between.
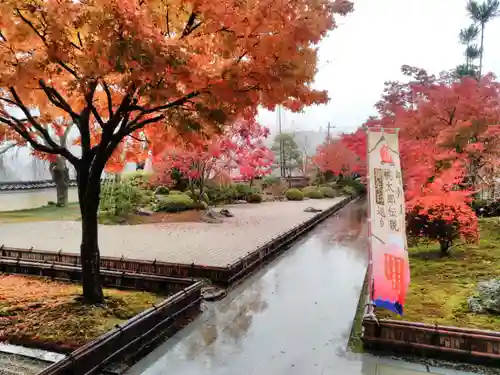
x: 486, y: 297
x: 211, y: 217
x: 312, y: 209
x: 143, y: 212
x: 225, y: 212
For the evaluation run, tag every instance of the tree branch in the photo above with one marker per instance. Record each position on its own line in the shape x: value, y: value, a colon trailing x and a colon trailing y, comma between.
x: 58, y: 100
x: 84, y: 123
x: 177, y: 102
x: 190, y: 25
x: 7, y: 148
x: 44, y: 132
x: 42, y: 38
x: 108, y: 95
x: 138, y: 139
x: 19, y: 128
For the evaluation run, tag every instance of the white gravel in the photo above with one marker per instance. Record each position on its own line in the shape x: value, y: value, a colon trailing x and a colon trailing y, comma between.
x: 200, y: 243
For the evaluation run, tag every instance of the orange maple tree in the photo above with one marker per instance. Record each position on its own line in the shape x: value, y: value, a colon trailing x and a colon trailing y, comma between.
x: 122, y: 71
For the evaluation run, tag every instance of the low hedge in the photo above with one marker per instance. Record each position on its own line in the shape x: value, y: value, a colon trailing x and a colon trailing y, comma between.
x: 174, y: 203
x: 313, y: 192
x: 162, y: 190
x: 357, y: 185
x: 294, y: 195
x: 328, y: 192
x: 254, y: 198
x: 349, y: 190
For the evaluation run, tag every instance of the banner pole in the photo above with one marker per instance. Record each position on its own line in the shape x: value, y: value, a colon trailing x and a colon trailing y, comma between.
x: 370, y: 258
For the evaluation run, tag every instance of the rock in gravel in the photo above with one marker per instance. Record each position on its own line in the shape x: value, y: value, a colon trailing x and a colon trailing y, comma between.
x: 486, y: 298
x: 143, y: 212
x: 212, y: 217
x: 225, y: 212
x: 312, y: 209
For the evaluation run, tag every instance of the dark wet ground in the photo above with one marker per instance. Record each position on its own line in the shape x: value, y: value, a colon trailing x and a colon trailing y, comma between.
x: 294, y: 317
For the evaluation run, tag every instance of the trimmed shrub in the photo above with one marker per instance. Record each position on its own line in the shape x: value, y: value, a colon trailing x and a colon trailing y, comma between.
x: 313, y: 192
x: 196, y: 195
x: 162, y: 190
x: 294, y: 195
x: 220, y: 194
x: 357, y: 185
x: 121, y: 198
x: 349, y: 190
x: 199, y: 206
x: 254, y: 198
x: 242, y: 191
x: 485, y: 208
x: 328, y: 192
x: 139, y: 179
x: 174, y: 203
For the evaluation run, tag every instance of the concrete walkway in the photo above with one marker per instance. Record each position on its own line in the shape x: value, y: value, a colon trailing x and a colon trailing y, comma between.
x: 293, y: 318
x: 252, y: 226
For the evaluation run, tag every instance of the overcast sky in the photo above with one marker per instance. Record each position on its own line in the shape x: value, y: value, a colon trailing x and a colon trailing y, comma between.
x: 369, y: 47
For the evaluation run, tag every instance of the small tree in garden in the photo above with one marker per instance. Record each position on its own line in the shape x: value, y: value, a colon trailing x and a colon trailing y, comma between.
x: 444, y: 218
x: 336, y: 158
x: 237, y: 146
x: 255, y: 162
x: 287, y: 153
x: 123, y: 71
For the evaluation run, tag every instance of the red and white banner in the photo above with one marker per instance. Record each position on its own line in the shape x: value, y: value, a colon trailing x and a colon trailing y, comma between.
x: 389, y: 252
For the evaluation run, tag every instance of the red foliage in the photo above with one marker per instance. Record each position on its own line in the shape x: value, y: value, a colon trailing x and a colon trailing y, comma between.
x: 444, y: 218
x: 239, y: 147
x: 335, y: 157
x: 448, y: 139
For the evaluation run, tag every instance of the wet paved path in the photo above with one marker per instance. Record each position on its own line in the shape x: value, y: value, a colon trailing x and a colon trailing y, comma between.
x: 293, y: 318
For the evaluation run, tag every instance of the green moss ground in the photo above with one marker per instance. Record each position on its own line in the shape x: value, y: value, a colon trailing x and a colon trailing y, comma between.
x: 439, y: 287
x: 45, y: 213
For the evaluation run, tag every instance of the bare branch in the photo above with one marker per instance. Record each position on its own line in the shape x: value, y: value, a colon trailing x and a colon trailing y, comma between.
x: 177, y: 102
x: 108, y: 95
x: 138, y: 139
x: 97, y: 116
x: 7, y: 147
x: 20, y: 128
x: 58, y: 100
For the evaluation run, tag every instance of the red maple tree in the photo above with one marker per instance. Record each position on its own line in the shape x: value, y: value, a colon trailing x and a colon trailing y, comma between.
x: 338, y: 159
x: 237, y: 148
x: 449, y: 138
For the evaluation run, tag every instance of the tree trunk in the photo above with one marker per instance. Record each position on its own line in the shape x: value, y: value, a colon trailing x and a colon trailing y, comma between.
x: 88, y: 195
x: 445, y: 246
x: 481, y: 54
x: 60, y: 175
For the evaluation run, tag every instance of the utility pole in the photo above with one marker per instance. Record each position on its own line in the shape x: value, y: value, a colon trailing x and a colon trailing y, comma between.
x: 328, y: 132
x: 282, y: 154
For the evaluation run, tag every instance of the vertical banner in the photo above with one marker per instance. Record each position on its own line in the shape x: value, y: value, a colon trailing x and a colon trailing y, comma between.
x: 389, y: 252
